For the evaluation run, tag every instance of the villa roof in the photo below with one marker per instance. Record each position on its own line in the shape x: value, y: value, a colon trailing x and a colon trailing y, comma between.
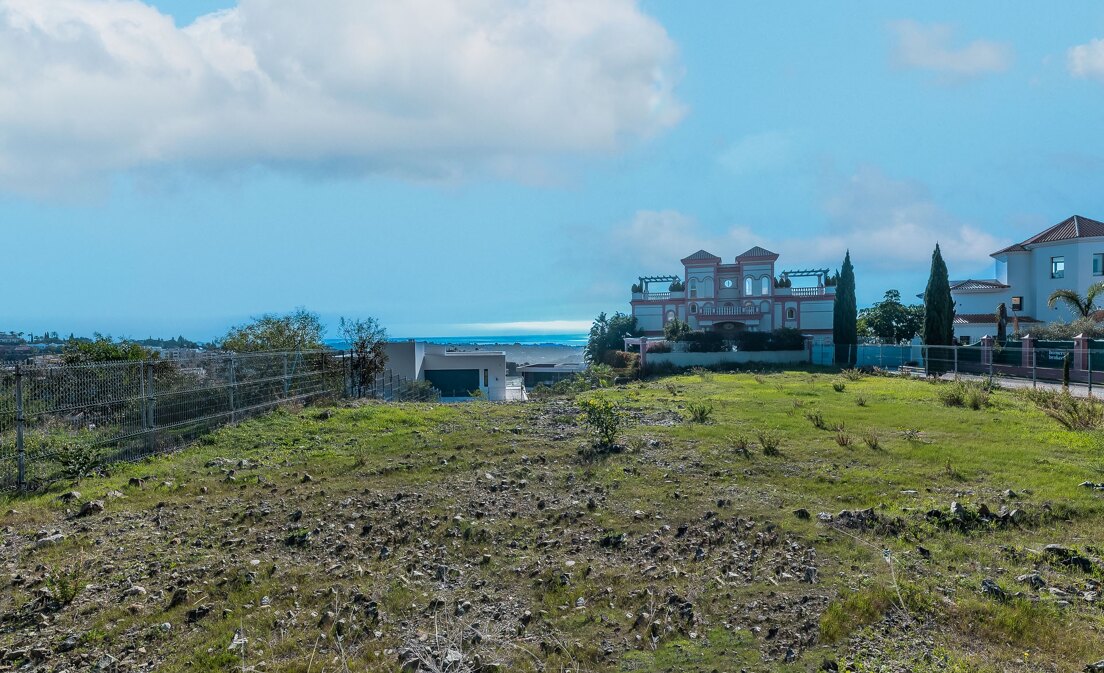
x: 701, y: 256
x: 987, y: 318
x: 972, y: 284
x: 1070, y: 228
x: 757, y: 252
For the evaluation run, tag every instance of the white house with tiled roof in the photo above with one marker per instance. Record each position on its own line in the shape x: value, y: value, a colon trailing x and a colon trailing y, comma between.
x: 745, y: 294
x: 1069, y: 255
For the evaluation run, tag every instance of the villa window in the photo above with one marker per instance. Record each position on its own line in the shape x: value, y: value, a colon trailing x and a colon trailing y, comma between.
x: 791, y: 314
x: 1058, y: 267
x: 1098, y: 264
x: 693, y: 308
x: 765, y: 285
x: 749, y: 287
x: 693, y: 288
x: 1017, y: 303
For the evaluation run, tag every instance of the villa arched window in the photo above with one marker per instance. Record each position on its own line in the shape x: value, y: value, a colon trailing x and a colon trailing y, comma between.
x: 670, y: 316
x: 693, y: 288
x: 749, y: 286
x: 791, y: 314
x: 693, y: 308
x: 766, y: 283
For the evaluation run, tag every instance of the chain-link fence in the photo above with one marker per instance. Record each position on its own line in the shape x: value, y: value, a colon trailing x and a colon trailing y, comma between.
x: 58, y: 420
x: 1031, y: 360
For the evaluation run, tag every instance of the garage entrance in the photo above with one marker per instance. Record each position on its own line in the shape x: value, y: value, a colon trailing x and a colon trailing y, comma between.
x: 453, y: 382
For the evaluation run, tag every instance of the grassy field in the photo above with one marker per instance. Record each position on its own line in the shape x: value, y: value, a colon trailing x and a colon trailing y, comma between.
x: 901, y: 534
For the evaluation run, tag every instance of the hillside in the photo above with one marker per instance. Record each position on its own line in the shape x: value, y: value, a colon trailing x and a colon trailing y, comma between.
x: 475, y: 537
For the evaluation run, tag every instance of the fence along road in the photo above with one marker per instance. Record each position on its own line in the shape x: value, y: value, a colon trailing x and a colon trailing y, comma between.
x: 53, y: 417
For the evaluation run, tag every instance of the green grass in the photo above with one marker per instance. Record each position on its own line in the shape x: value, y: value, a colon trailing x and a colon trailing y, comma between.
x: 377, y: 520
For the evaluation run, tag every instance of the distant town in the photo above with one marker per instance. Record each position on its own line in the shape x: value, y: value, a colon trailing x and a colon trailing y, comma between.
x: 50, y: 346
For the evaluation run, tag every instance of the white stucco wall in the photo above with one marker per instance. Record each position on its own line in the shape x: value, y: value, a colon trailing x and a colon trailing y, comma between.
x: 493, y: 361
x: 404, y: 358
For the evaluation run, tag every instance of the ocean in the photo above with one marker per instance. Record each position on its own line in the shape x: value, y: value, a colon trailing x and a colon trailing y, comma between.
x: 572, y: 340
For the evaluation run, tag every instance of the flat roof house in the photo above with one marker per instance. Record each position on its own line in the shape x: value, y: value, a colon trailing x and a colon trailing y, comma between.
x: 1066, y: 256
x: 457, y: 374
x: 745, y: 294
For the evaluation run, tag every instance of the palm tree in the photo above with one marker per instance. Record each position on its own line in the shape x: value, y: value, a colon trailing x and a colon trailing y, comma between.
x: 1083, y: 306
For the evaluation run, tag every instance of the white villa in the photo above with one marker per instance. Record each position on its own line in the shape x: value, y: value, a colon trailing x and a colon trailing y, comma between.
x: 456, y: 374
x: 744, y: 295
x: 1068, y: 255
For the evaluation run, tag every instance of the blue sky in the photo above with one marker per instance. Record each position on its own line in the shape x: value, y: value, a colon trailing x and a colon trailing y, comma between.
x: 447, y: 188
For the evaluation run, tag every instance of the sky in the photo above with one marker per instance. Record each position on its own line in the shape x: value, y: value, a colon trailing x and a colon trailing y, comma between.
x: 497, y: 166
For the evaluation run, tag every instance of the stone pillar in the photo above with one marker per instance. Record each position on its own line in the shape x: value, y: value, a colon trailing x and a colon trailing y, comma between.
x: 1027, y: 351
x: 987, y: 350
x: 1081, y: 352
x: 643, y: 354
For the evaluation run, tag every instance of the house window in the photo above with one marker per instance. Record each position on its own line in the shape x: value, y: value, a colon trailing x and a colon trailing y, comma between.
x: 693, y: 308
x: 728, y: 282
x: 1098, y: 264
x: 765, y: 285
x: 1017, y: 303
x: 486, y: 378
x: 791, y: 314
x: 1057, y: 267
x: 748, y: 287
x: 693, y: 288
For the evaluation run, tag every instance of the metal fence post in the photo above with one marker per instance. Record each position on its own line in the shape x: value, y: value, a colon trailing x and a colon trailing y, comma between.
x: 955, y: 351
x: 21, y: 476
x: 1034, y: 382
x: 1090, y: 371
x: 151, y: 406
x: 287, y: 382
x: 233, y: 386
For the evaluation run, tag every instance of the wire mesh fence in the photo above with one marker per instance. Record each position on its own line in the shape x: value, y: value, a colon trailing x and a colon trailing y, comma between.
x: 57, y: 420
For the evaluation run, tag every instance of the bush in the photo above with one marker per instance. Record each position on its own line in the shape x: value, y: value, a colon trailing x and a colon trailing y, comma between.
x: 972, y: 394
x: 770, y: 441
x: 700, y: 412
x: 843, y: 439
x: 1075, y: 413
x: 839, y: 386
x: 78, y: 460
x: 816, y: 418
x: 852, y: 374
x: 741, y: 446
x: 603, y: 419
x: 663, y: 347
x: 705, y: 342
x: 872, y: 440
x: 621, y: 359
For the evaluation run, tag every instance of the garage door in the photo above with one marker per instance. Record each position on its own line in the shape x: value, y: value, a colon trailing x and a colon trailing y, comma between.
x: 453, y: 382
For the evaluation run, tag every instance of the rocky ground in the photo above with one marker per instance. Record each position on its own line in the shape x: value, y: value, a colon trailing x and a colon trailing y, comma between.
x: 477, y: 537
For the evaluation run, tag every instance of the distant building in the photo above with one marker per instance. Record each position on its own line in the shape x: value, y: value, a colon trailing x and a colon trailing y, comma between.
x: 454, y: 373
x: 1066, y: 256
x: 744, y: 295
x: 549, y: 374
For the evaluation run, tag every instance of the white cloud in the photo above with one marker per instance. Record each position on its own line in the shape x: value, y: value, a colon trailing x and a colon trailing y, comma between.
x: 1087, y: 60
x: 421, y: 87
x: 929, y: 47
x: 890, y: 226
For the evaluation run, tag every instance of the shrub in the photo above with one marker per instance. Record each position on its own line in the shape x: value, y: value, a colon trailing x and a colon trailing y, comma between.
x: 839, y: 386
x: 972, y: 394
x: 844, y: 439
x: 78, y: 460
x: 816, y: 418
x: 753, y: 341
x: 1075, y: 413
x: 872, y: 440
x: 603, y: 419
x: 852, y: 374
x: 662, y: 347
x: 860, y: 400
x: 700, y: 412
x: 704, y: 342
x: 741, y: 446
x: 621, y: 359
x: 704, y: 374
x: 770, y: 441
x: 672, y: 389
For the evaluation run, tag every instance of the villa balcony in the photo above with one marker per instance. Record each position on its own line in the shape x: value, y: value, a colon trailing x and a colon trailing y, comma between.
x: 728, y: 311
x: 658, y: 296
x: 819, y: 291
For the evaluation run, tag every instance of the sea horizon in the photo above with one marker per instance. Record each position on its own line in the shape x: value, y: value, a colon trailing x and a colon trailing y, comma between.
x: 560, y: 340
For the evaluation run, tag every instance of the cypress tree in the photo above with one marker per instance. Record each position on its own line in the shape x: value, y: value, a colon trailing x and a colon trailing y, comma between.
x: 938, y: 305
x: 845, y: 331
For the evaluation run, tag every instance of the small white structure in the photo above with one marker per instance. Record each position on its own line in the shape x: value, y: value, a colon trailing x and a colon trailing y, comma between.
x: 743, y: 295
x: 1066, y: 256
x: 457, y: 374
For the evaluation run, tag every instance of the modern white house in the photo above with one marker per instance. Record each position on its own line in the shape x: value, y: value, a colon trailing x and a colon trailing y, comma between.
x: 745, y: 294
x: 1066, y: 256
x: 457, y: 374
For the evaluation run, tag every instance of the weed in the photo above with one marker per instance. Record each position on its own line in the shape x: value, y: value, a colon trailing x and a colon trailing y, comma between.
x: 760, y: 379
x: 843, y: 439
x: 912, y: 435
x: 872, y: 440
x: 839, y: 386
x: 700, y: 412
x: 852, y: 374
x: 740, y: 443
x: 972, y: 394
x: 702, y: 373
x: 672, y: 389
x: 860, y: 400
x: 603, y: 419
x: 770, y: 441
x: 816, y: 418
x: 1075, y: 413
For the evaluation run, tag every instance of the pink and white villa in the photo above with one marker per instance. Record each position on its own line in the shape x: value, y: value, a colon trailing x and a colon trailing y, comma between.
x: 744, y: 295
